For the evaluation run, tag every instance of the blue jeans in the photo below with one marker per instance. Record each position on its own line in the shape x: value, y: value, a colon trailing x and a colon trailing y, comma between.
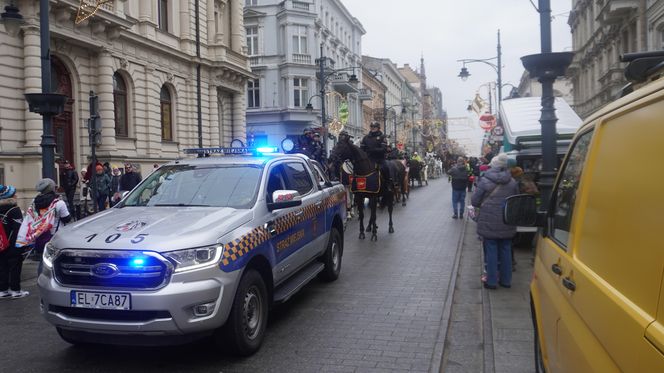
x: 101, y: 202
x: 458, y: 198
x: 498, y: 253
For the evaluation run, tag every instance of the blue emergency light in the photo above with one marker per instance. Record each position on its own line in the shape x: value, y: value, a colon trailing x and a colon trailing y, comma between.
x: 137, y: 262
x: 233, y: 151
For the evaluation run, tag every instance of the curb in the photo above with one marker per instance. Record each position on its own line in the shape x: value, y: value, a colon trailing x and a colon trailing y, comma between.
x: 487, y: 330
x: 436, y: 364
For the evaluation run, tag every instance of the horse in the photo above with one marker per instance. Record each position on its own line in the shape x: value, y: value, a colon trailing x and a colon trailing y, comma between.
x: 363, y: 170
x: 415, y: 172
x: 401, y: 184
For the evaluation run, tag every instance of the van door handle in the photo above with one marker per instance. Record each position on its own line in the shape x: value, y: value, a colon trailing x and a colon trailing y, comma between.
x: 271, y: 228
x: 569, y: 284
x: 556, y: 269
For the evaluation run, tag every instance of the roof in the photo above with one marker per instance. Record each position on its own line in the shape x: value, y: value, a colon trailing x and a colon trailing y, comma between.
x: 521, y: 116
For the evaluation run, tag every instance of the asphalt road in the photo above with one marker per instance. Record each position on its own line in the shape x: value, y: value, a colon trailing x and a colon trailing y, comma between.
x: 385, y: 312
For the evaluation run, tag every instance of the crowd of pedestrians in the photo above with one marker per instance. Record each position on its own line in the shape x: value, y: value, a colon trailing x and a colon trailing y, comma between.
x: 494, y: 179
x: 25, y: 234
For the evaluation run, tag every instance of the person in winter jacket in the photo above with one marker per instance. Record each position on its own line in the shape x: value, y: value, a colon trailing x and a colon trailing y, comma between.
x: 128, y: 181
x: 103, y: 188
x: 494, y: 187
x: 459, y: 177
x: 115, y: 185
x: 375, y: 145
x: 11, y: 257
x: 42, y: 219
x: 70, y: 183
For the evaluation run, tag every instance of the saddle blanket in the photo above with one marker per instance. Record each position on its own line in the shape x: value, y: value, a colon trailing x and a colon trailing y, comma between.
x: 366, y: 183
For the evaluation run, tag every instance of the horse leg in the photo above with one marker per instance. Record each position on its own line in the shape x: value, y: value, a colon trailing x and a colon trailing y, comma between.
x: 372, y: 220
x: 390, y: 208
x: 360, y: 213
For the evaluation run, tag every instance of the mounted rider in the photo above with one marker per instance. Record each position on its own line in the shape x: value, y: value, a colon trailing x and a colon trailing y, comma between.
x: 305, y: 143
x: 375, y: 145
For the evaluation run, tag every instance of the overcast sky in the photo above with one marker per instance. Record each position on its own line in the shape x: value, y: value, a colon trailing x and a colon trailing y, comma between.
x: 448, y: 30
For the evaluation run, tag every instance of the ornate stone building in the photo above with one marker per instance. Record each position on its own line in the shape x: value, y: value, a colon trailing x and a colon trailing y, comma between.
x: 602, y: 30
x: 373, y: 107
x: 140, y: 58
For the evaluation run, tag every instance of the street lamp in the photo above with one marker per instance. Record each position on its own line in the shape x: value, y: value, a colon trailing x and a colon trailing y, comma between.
x: 323, y: 76
x: 385, y: 111
x: 12, y: 19
x: 464, y: 74
x: 547, y: 66
x: 45, y: 103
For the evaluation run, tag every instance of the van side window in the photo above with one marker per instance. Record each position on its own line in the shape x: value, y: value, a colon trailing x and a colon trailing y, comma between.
x: 565, y: 192
x: 298, y: 178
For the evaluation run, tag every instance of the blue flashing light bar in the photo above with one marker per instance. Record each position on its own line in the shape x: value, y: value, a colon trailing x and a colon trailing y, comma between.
x: 233, y: 151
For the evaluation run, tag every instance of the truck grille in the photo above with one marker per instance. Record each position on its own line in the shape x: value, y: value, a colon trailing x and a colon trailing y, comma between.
x: 112, y: 269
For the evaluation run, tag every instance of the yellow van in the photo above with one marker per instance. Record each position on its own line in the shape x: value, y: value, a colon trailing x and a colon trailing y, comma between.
x: 597, y: 292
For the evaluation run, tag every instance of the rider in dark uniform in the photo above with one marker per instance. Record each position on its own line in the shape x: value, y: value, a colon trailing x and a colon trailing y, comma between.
x: 375, y: 145
x: 318, y: 151
x: 304, y: 143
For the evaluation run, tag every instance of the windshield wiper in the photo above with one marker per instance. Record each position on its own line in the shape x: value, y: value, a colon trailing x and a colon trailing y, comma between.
x: 178, y: 205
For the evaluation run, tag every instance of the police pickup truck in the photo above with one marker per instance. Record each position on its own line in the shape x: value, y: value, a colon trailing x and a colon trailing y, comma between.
x: 201, y: 247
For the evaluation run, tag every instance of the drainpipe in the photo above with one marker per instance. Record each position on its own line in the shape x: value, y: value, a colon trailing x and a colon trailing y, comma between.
x: 198, y: 75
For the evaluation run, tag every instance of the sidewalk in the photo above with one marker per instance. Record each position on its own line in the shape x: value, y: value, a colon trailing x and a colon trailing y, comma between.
x: 490, y: 330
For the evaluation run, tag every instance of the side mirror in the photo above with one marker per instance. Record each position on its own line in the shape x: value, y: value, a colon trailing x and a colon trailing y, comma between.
x: 521, y: 210
x: 282, y: 199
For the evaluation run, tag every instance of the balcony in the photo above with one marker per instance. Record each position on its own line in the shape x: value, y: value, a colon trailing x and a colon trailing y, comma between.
x: 340, y: 83
x: 255, y: 61
x: 616, y: 11
x: 365, y: 94
x: 303, y: 59
x: 300, y: 5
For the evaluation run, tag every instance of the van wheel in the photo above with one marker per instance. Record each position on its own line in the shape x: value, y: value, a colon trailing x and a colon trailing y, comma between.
x: 245, y: 328
x: 332, y: 257
x: 539, y: 361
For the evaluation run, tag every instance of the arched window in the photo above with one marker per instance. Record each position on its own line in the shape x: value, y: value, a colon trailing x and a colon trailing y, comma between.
x: 166, y: 114
x: 120, y: 104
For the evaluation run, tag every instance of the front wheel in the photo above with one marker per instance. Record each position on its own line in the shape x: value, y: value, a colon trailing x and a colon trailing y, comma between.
x: 245, y: 328
x: 332, y: 257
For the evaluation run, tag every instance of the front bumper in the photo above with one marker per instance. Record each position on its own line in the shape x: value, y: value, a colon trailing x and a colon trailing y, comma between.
x: 167, y: 311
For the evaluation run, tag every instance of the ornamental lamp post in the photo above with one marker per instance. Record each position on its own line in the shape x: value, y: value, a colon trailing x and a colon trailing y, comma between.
x: 46, y: 103
x: 464, y: 74
x: 546, y: 67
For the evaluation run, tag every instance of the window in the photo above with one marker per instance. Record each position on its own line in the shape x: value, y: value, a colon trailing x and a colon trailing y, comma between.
x: 252, y: 40
x: 275, y: 182
x: 300, y: 94
x: 297, y: 178
x: 300, y: 40
x: 253, y: 94
x: 163, y: 15
x: 120, y: 105
x: 250, y: 2
x: 166, y: 114
x: 565, y: 192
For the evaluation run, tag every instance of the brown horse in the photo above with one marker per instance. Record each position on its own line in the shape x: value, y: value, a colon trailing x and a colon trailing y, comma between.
x: 362, y: 165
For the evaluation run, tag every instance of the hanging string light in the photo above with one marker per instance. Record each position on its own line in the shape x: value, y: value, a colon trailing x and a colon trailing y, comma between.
x: 88, y: 8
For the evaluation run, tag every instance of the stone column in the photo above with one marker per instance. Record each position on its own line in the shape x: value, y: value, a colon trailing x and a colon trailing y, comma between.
x: 32, y: 84
x: 215, y: 123
x: 237, y: 25
x: 145, y: 11
x: 106, y: 105
x: 239, y: 117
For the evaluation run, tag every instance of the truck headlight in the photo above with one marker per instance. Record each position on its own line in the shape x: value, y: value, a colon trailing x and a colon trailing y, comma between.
x: 190, y: 259
x: 50, y: 253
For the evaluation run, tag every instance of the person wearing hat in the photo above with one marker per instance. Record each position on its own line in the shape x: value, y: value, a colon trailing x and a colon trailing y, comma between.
x: 43, y: 218
x: 305, y: 143
x: 11, y: 257
x: 69, y: 184
x: 375, y: 145
x: 102, y: 188
x: 493, y: 188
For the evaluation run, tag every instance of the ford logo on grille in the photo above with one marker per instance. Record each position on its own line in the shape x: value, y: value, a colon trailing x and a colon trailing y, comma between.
x: 105, y: 270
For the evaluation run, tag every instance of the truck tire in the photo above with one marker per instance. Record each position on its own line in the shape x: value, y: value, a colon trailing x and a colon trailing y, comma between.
x: 332, y: 257
x: 245, y: 329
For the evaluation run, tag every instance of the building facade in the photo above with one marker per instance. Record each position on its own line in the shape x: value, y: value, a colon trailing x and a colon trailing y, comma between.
x: 531, y: 87
x: 373, y: 97
x: 602, y: 30
x: 285, y: 39
x: 139, y: 57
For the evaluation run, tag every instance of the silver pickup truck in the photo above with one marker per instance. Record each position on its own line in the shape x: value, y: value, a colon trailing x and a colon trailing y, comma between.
x: 201, y: 247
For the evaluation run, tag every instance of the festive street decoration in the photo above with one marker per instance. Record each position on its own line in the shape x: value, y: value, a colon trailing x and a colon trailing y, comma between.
x: 88, y: 8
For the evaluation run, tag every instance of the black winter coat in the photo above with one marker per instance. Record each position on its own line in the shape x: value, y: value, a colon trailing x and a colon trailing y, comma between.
x: 71, y: 180
x: 10, y: 217
x: 129, y: 180
x: 490, y: 221
x: 459, y: 175
x: 375, y: 145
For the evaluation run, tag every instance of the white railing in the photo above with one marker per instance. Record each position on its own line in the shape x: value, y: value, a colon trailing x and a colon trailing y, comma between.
x: 301, y: 58
x: 255, y: 60
x: 300, y: 5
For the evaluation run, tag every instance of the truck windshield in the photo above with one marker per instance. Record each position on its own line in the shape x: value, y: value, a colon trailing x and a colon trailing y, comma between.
x: 207, y: 186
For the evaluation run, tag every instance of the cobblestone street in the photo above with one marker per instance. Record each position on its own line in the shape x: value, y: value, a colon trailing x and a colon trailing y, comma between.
x: 387, y: 311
